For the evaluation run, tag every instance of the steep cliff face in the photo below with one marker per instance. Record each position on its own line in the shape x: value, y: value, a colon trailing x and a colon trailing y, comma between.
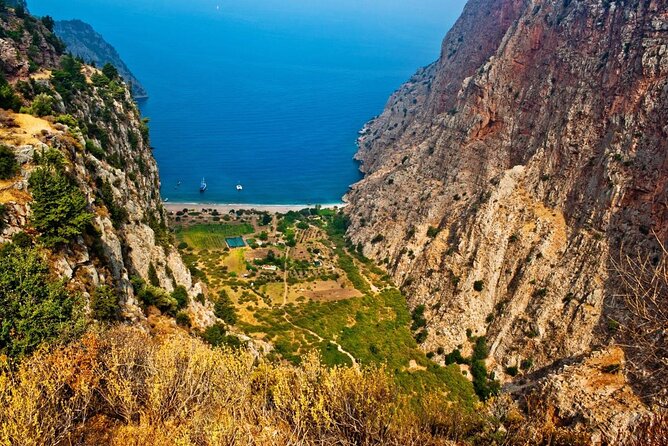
x: 506, y: 177
x: 94, y: 122
x: 83, y: 41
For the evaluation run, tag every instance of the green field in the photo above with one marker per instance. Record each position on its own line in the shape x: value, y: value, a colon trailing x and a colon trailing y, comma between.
x: 211, y: 236
x: 375, y: 328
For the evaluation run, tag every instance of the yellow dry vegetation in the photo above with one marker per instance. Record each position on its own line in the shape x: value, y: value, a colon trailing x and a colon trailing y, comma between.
x: 28, y: 130
x: 125, y: 387
x: 10, y: 194
x: 42, y: 74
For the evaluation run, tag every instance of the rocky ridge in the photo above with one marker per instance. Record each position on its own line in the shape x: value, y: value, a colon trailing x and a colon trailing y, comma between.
x: 83, y: 41
x: 504, y: 180
x: 107, y: 151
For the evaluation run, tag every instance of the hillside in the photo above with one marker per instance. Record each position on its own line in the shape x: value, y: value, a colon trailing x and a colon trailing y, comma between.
x: 84, y: 42
x: 515, y: 189
x: 80, y: 186
x: 507, y: 183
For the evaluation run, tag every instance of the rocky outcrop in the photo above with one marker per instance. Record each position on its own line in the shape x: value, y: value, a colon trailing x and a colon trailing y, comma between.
x: 83, y: 41
x: 98, y: 129
x: 502, y: 180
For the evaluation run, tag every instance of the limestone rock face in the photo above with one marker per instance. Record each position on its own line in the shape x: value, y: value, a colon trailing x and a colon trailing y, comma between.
x: 505, y: 177
x: 119, y: 178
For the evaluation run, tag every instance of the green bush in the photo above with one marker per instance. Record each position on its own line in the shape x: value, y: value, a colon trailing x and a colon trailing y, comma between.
x: 224, y: 309
x: 216, y: 335
x: 67, y: 120
x: 483, y: 386
x: 455, y: 357
x: 512, y: 370
x: 68, y: 79
x: 8, y: 99
x: 526, y: 364
x: 377, y: 239
x: 183, y: 319
x: 480, y: 350
x: 34, y: 306
x: 117, y: 213
x: 478, y: 285
x: 8, y: 164
x: 159, y: 298
x: 153, y: 275
x: 42, y: 105
x: 432, y: 232
x: 58, y: 207
x: 110, y: 71
x: 180, y: 294
x: 105, y: 304
x: 95, y: 150
x: 421, y: 336
x: 419, y: 320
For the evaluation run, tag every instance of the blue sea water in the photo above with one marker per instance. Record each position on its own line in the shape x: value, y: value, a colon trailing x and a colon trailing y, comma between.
x: 268, y: 93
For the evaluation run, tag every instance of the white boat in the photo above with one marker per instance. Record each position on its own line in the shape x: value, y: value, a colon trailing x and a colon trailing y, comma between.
x: 240, y: 187
x: 202, y: 186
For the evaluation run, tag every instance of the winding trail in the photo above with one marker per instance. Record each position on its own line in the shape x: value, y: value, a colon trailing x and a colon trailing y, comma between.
x: 312, y: 333
x: 285, y: 278
x: 321, y: 339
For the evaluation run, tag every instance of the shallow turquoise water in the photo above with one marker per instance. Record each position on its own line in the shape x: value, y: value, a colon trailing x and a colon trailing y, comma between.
x: 267, y: 93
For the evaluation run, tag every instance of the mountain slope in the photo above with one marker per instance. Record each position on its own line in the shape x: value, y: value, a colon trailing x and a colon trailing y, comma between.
x: 83, y: 41
x: 503, y: 180
x: 84, y: 187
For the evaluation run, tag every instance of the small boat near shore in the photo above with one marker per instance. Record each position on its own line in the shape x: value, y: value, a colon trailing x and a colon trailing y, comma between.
x: 240, y: 187
x: 202, y: 185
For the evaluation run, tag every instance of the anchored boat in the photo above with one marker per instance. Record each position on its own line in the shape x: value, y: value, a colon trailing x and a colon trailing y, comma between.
x: 202, y: 186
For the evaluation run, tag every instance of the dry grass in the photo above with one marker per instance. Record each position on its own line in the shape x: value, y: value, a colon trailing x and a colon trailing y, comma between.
x: 124, y: 387
x: 27, y: 132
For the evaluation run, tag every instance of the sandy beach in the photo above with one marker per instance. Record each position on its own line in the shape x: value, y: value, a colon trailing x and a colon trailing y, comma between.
x: 226, y: 208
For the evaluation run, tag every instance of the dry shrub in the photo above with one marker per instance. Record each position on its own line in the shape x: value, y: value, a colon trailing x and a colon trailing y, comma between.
x: 125, y: 387
x: 539, y: 425
x: 644, y: 331
x: 650, y: 430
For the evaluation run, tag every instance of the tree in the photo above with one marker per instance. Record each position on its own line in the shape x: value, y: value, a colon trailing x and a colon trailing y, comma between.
x: 8, y: 164
x: 104, y: 304
x: 34, y: 307
x: 8, y: 99
x: 110, y: 71
x: 153, y: 275
x: 180, y: 294
x: 223, y: 309
x: 42, y: 105
x: 58, y: 207
x: 48, y: 22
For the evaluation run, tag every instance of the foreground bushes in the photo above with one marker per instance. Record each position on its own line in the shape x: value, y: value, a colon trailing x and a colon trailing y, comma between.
x: 34, y: 307
x: 125, y: 387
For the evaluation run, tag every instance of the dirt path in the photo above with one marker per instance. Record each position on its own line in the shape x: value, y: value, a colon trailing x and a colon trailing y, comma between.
x: 312, y: 333
x: 321, y: 339
x: 285, y: 278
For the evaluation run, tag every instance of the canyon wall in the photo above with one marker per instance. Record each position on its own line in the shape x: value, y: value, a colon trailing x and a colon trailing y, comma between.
x: 504, y: 180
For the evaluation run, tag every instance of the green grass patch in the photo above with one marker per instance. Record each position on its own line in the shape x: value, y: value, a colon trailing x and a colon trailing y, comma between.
x: 374, y: 329
x: 211, y: 236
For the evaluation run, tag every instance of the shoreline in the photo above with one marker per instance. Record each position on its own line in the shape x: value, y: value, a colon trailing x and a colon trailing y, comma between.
x: 226, y: 208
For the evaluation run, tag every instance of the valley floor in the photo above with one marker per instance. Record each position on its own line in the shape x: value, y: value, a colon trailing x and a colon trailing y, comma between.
x: 296, y: 288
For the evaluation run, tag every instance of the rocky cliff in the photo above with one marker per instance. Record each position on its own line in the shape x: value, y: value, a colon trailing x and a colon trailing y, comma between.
x: 53, y: 102
x: 504, y: 180
x: 83, y: 41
